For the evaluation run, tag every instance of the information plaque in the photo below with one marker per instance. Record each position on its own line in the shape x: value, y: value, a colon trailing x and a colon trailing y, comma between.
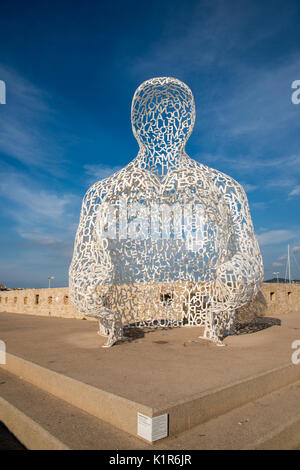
x: 152, y: 429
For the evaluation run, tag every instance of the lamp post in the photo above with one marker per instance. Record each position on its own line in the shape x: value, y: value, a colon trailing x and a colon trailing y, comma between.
x: 49, y: 281
x: 276, y: 274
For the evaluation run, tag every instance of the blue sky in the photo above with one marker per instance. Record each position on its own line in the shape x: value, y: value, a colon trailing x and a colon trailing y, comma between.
x: 71, y: 69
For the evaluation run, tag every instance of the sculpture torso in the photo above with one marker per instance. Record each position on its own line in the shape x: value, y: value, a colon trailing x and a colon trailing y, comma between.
x: 177, y: 227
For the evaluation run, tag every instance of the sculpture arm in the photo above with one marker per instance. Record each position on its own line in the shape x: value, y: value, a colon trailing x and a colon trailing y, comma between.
x: 91, y: 267
x: 243, y: 271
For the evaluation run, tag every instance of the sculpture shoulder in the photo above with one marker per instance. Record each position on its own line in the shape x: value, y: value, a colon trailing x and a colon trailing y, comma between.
x: 224, y: 183
x: 118, y: 182
x: 101, y: 188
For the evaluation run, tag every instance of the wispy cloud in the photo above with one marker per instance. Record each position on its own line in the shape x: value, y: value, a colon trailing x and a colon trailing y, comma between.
x: 38, y: 202
x: 42, y: 217
x: 241, y: 103
x: 285, y: 163
x: 259, y: 205
x: 203, y: 35
x: 237, y: 96
x: 275, y: 236
x: 99, y: 171
x: 295, y: 191
x: 249, y: 187
x: 25, y: 123
x: 282, y: 181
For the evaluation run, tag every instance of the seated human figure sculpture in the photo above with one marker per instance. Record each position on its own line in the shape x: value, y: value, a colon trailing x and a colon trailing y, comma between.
x: 165, y: 241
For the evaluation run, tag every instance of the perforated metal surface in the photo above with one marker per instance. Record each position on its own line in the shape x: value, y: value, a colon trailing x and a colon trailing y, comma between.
x: 165, y: 240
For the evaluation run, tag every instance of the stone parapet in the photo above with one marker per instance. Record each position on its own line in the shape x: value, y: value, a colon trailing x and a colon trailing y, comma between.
x: 48, y: 302
x: 273, y: 299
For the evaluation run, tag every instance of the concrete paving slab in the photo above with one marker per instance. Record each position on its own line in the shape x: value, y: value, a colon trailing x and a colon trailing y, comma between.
x: 271, y: 422
x: 156, y: 368
x: 152, y: 372
x: 56, y: 420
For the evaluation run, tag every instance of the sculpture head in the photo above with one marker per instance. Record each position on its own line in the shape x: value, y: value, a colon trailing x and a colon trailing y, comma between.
x: 162, y: 114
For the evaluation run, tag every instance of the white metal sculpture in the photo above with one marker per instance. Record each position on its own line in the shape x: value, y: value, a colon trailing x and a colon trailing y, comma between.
x: 165, y: 241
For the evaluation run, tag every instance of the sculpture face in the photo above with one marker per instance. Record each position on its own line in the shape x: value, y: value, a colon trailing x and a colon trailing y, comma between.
x: 162, y: 115
x: 165, y: 240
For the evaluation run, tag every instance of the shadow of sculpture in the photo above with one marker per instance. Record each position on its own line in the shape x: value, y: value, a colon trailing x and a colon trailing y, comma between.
x: 258, y: 324
x: 251, y: 317
x: 253, y: 309
x: 132, y: 333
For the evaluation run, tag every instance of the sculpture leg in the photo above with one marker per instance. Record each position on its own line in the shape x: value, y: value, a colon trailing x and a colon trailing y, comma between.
x: 103, y: 328
x: 218, y: 326
x: 211, y: 330
x: 230, y: 326
x: 115, y: 329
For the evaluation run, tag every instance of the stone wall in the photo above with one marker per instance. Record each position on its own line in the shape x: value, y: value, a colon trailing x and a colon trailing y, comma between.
x: 49, y: 302
x: 273, y: 299
x: 281, y: 298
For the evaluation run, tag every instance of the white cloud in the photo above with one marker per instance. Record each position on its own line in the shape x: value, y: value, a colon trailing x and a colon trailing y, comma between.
x: 275, y: 236
x: 23, y: 124
x: 258, y: 205
x: 295, y: 191
x: 100, y: 171
x: 44, y: 218
x: 38, y: 238
x: 236, y: 97
x: 208, y: 35
x: 277, y: 264
x: 290, y: 163
x: 282, y: 182
x: 37, y: 202
x: 249, y: 187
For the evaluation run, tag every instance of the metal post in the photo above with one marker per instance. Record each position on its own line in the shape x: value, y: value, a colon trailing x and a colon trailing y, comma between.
x: 289, y: 264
